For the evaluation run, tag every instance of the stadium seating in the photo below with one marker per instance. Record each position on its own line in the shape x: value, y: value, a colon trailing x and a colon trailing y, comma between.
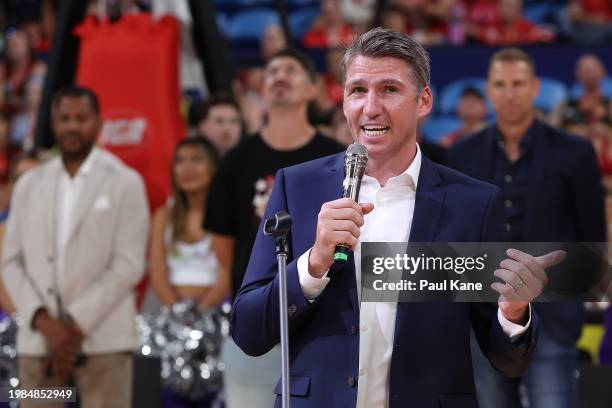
x: 302, y: 4
x: 435, y: 128
x: 606, y: 85
x: 552, y: 93
x: 250, y: 24
x: 223, y: 23
x: 451, y: 94
x: 300, y: 21
x: 540, y: 13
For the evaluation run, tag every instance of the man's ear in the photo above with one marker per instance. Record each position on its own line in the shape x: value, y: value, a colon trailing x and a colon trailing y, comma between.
x: 424, y: 102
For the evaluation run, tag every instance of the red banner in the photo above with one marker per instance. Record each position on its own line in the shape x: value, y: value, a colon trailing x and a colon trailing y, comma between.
x: 132, y: 65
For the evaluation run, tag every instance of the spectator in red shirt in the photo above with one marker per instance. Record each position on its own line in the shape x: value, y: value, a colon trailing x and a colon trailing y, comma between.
x: 424, y: 23
x: 329, y: 30
x: 333, y: 75
x: 511, y: 28
x: 20, y: 63
x: 591, y: 21
x: 590, y: 115
x: 392, y: 18
x: 592, y: 106
x: 482, y: 12
x: 593, y: 11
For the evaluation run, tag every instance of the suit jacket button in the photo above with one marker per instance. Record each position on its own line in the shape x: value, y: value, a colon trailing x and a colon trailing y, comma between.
x: 50, y: 259
x: 292, y: 309
x: 351, y: 381
x: 353, y: 329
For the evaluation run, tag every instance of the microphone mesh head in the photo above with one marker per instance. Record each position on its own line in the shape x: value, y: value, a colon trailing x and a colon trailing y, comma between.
x: 357, y: 149
x: 355, y: 160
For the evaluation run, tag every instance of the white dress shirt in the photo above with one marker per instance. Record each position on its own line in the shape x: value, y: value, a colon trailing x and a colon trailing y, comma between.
x: 393, y: 206
x: 69, y: 190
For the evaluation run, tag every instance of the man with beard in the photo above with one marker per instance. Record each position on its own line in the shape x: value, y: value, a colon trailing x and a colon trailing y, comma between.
x: 239, y: 195
x: 74, y: 249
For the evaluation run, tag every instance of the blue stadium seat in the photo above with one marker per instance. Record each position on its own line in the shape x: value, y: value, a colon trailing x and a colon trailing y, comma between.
x: 539, y: 13
x: 301, y: 20
x: 451, y: 93
x: 606, y: 88
x: 552, y: 93
x: 250, y: 24
x: 301, y: 4
x: 223, y: 23
x: 435, y: 128
x: 255, y: 3
x: 226, y: 6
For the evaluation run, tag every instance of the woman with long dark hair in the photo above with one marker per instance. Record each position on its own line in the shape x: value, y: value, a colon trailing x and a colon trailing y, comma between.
x: 183, y: 264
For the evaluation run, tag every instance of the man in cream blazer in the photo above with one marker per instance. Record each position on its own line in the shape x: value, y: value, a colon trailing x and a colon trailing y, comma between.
x: 74, y: 249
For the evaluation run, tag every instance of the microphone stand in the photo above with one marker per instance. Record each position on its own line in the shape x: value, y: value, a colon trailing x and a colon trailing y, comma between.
x: 278, y: 227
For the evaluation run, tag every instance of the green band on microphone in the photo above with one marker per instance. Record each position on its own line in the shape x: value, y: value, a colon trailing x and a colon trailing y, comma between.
x: 339, y: 256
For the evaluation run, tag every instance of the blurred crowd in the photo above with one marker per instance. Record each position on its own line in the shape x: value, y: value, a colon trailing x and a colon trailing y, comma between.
x: 284, y: 112
x: 27, y: 28
x: 460, y: 22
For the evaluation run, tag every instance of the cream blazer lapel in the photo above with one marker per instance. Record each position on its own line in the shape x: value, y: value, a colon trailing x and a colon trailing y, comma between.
x: 48, y: 189
x: 90, y: 192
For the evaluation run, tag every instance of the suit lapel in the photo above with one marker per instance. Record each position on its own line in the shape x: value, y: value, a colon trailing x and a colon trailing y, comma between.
x: 332, y: 190
x: 48, y: 191
x: 90, y: 190
x: 425, y: 220
x: 428, y: 204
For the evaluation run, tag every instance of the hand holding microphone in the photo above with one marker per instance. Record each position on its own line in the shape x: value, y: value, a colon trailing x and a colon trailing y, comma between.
x: 339, y: 221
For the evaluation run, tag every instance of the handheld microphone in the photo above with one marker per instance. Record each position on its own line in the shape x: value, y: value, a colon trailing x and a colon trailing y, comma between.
x: 355, y: 162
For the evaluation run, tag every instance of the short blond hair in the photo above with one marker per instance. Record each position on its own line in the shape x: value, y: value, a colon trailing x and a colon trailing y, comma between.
x: 512, y: 54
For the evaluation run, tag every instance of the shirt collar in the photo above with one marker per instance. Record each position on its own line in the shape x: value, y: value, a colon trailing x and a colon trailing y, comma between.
x: 526, y: 141
x: 87, y: 165
x: 414, y: 169
x: 411, y: 174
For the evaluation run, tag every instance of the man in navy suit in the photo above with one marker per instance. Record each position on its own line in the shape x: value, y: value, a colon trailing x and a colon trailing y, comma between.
x: 552, y: 192
x: 345, y: 353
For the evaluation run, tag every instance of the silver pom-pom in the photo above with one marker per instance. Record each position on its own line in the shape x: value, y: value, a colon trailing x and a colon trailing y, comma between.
x: 8, y: 353
x: 189, y: 345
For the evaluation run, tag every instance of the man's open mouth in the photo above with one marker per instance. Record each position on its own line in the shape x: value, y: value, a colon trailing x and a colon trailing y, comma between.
x: 374, y: 130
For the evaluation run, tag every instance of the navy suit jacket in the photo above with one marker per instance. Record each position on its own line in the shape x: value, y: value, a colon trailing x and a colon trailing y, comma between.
x: 565, y: 202
x: 431, y: 364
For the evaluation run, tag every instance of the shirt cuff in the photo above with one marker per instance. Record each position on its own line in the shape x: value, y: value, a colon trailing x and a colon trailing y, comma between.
x: 512, y: 330
x: 311, y: 286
